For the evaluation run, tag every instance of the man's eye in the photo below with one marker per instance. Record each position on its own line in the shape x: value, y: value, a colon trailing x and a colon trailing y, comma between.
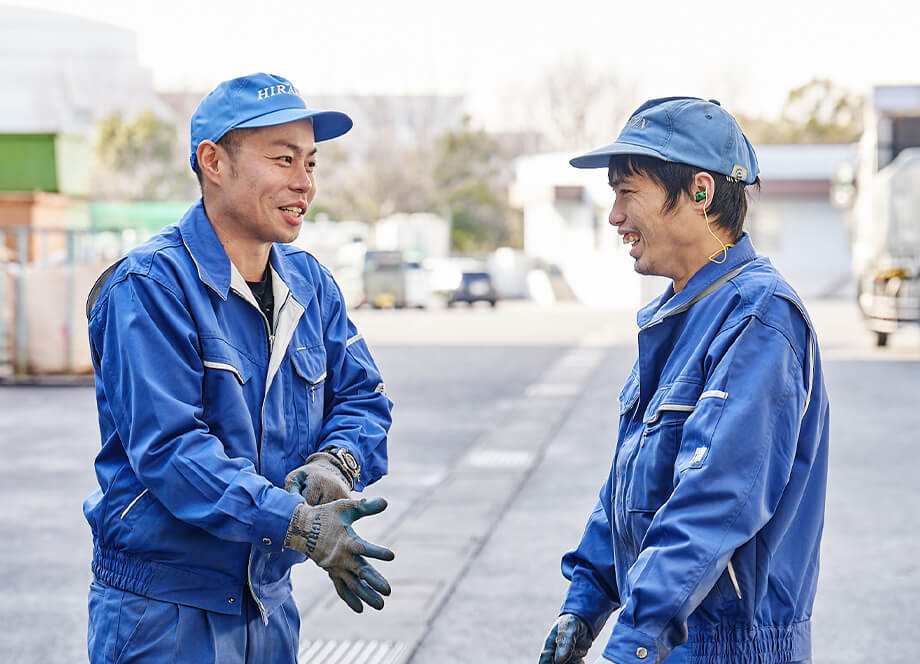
x: 286, y: 159
x: 311, y: 164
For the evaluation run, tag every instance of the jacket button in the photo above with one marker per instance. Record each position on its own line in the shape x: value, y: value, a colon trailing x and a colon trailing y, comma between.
x: 266, y: 541
x: 641, y: 652
x: 232, y: 600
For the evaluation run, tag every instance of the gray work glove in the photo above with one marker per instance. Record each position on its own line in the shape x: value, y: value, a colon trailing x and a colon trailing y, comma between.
x: 568, y: 641
x: 324, y: 534
x: 319, y: 480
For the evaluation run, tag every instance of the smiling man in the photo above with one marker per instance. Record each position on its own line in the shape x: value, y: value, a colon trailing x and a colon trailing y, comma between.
x: 706, y: 534
x: 238, y: 406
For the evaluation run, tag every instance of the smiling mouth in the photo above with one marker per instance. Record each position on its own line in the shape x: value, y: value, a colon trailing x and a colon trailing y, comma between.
x: 631, y: 239
x: 295, y: 211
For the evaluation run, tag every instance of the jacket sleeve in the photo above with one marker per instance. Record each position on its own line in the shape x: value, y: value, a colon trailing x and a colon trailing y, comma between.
x: 592, y: 594
x: 357, y: 412
x: 735, y: 458
x: 151, y: 371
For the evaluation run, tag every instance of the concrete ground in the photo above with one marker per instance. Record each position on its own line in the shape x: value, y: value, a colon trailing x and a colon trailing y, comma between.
x: 503, y: 433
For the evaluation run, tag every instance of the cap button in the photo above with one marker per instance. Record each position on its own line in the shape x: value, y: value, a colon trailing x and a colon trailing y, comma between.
x: 641, y: 652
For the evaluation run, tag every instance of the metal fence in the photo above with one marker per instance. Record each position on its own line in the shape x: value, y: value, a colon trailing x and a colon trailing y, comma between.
x: 45, y: 276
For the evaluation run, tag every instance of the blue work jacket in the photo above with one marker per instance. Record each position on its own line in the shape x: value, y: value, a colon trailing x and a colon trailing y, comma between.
x: 205, y: 406
x: 707, y: 531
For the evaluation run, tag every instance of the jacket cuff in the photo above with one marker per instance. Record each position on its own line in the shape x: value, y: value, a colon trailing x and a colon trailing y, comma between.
x: 630, y: 646
x: 274, y: 517
x: 588, y: 601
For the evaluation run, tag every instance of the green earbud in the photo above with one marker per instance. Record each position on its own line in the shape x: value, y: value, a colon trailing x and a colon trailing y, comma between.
x: 700, y: 195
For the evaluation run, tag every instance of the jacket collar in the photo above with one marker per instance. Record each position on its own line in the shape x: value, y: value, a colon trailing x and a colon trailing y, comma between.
x: 298, y: 281
x: 213, y: 264
x: 707, y: 278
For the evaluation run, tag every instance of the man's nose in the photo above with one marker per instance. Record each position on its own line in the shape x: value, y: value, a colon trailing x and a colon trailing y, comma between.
x: 617, y: 216
x: 301, y: 180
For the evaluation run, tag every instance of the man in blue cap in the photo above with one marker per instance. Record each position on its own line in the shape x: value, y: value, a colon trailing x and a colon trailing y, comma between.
x: 707, y: 531
x: 238, y: 406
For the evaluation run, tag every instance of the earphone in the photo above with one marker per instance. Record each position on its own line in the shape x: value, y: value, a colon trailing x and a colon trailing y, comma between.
x: 702, y: 196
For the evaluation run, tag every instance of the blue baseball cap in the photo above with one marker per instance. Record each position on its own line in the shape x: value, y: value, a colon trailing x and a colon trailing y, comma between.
x: 258, y: 100
x: 686, y: 130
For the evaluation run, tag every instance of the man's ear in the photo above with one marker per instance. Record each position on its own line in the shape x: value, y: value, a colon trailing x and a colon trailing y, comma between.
x: 209, y: 161
x: 702, y: 190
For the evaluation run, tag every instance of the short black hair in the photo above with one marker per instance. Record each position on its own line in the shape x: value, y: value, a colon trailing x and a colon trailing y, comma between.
x: 229, y: 142
x: 728, y: 206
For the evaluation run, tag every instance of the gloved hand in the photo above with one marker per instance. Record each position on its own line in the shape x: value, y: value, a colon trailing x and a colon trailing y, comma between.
x: 325, y: 535
x: 319, y: 480
x: 568, y: 641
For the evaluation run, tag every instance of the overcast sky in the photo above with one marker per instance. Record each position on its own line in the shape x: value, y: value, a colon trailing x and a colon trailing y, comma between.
x: 747, y: 54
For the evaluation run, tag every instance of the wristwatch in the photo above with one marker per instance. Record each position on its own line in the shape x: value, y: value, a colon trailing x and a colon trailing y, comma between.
x: 346, y: 462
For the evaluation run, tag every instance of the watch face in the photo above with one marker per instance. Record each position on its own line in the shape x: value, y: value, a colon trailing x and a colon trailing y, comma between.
x: 348, y: 459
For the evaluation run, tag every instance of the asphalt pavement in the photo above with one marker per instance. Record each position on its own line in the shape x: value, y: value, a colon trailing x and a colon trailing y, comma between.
x: 497, y: 603
x: 503, y: 432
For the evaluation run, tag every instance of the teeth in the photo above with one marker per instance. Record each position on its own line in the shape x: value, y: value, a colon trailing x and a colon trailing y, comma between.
x: 293, y: 210
x: 630, y: 238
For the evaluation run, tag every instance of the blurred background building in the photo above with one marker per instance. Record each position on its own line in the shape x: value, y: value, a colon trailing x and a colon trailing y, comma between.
x: 94, y: 159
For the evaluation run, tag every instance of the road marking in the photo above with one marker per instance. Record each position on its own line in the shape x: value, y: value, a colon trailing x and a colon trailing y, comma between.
x: 553, y: 390
x: 350, y: 652
x: 492, y: 458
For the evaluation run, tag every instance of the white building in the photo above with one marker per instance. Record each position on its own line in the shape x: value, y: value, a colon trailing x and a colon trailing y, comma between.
x: 420, y: 235
x: 566, y: 214
x: 62, y: 73
x: 565, y: 224
x: 793, y: 221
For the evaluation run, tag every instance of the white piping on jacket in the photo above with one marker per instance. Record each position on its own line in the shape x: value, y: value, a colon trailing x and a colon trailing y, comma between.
x: 226, y: 367
x: 731, y: 575
x: 131, y: 504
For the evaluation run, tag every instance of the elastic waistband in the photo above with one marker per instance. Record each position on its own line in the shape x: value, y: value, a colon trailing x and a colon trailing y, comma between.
x: 751, y: 644
x: 201, y: 589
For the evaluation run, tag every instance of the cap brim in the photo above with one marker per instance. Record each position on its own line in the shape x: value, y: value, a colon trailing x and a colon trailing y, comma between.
x: 326, y: 124
x: 600, y: 158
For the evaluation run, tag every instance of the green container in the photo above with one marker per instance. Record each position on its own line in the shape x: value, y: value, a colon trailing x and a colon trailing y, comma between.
x: 150, y: 216
x: 28, y: 162
x: 56, y: 163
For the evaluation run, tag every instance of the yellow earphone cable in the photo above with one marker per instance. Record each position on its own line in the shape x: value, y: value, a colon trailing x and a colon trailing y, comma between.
x: 724, y: 249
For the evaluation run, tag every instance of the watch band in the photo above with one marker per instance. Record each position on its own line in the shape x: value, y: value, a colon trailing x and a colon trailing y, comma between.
x: 346, y: 462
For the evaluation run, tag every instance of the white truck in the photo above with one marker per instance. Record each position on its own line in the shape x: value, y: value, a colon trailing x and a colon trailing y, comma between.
x: 886, y: 211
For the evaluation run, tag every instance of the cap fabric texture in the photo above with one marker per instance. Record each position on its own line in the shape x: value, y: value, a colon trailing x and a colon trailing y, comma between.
x: 686, y: 130
x: 258, y: 100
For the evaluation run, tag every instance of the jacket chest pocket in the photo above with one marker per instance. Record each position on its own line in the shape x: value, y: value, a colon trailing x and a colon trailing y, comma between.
x: 309, y: 387
x: 652, y: 468
x: 228, y: 394
x: 223, y: 364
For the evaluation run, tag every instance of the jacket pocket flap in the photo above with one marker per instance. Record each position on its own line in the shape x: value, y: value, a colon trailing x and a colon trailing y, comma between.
x: 680, y: 396
x: 310, y: 364
x: 218, y: 354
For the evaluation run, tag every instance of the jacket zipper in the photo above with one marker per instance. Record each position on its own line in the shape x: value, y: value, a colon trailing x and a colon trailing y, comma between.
x: 731, y: 575
x: 314, y: 385
x: 271, y: 340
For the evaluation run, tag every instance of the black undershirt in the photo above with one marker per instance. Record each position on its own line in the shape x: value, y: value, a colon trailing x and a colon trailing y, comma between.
x: 262, y: 291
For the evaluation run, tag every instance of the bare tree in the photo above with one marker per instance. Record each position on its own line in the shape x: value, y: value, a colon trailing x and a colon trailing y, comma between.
x: 387, y: 164
x: 581, y: 105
